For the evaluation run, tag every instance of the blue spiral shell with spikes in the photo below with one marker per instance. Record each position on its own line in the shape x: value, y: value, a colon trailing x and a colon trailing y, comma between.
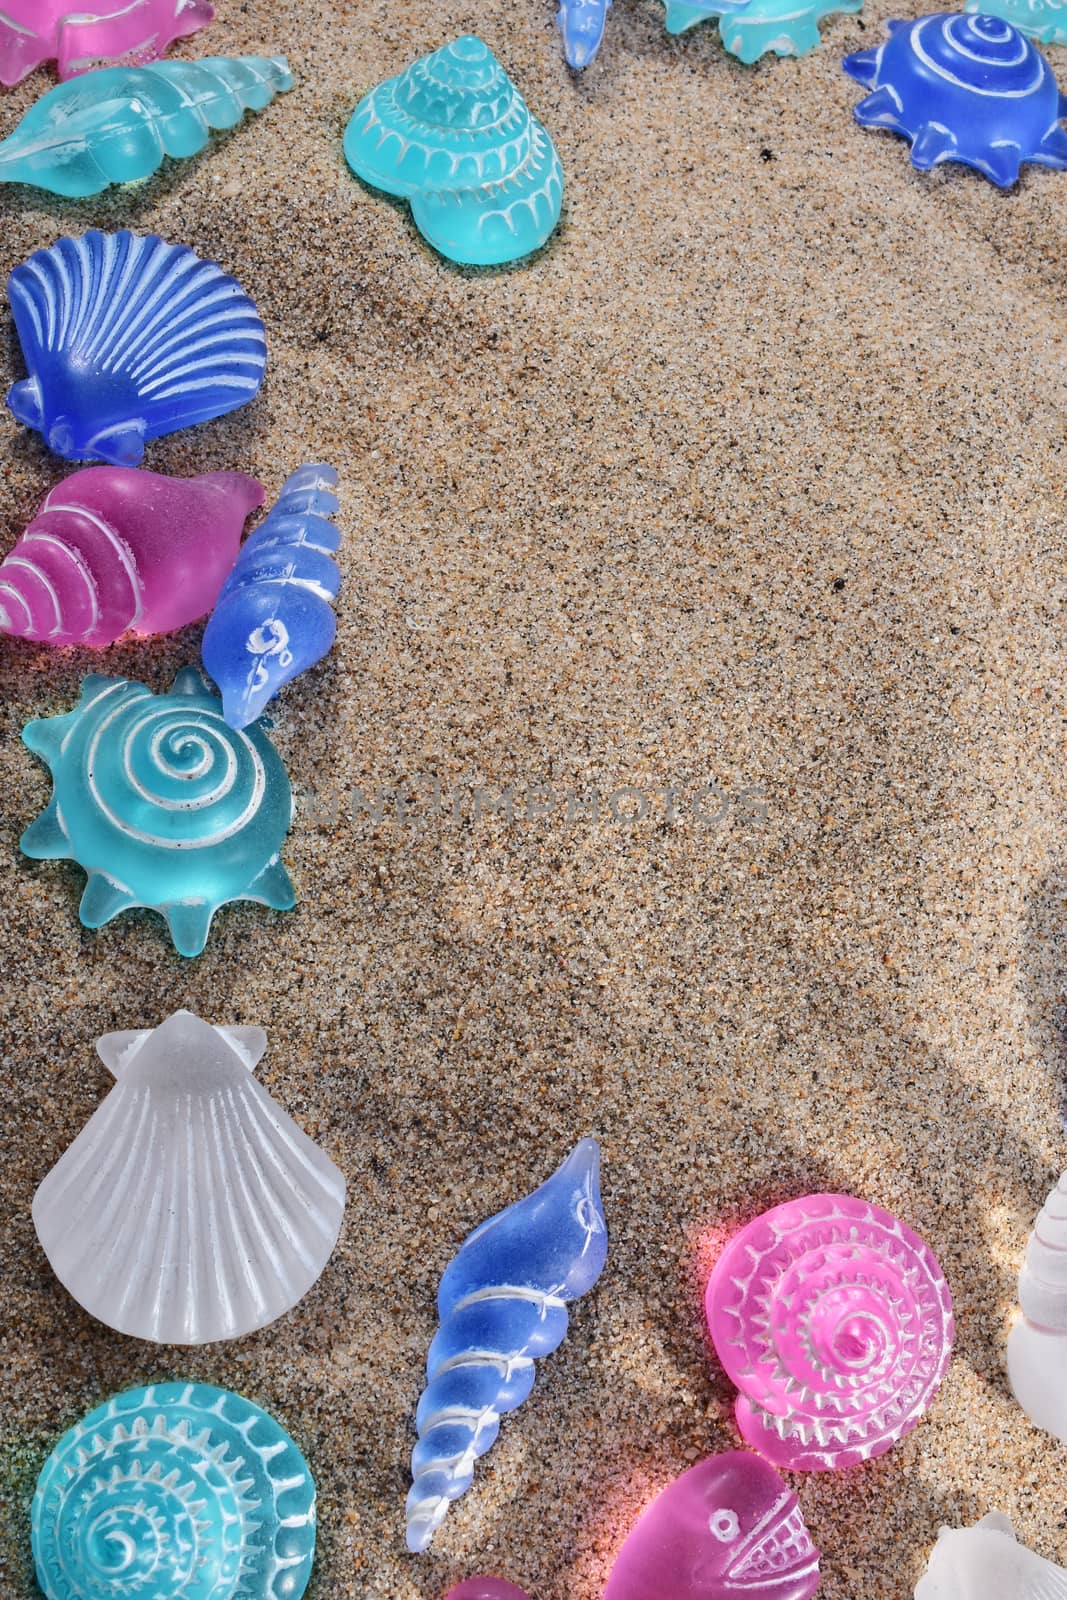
x: 163, y: 805
x: 274, y: 616
x: 963, y: 88
x: 178, y: 1491
x: 502, y: 1305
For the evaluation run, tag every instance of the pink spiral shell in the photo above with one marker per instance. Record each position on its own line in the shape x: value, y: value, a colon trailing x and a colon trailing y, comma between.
x: 834, y: 1320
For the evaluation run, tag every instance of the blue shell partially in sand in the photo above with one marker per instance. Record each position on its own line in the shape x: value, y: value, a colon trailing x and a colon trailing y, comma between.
x: 453, y: 135
x: 971, y: 89
x: 582, y: 23
x: 126, y: 338
x: 177, y: 1491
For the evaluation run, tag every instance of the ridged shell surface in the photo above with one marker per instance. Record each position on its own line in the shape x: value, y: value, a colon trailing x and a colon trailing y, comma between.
x: 191, y: 1207
x: 177, y: 1491
x: 118, y: 124
x: 835, y: 1322
x: 971, y: 89
x: 454, y: 136
x: 162, y: 804
x: 987, y: 1562
x: 126, y: 338
x: 1043, y: 20
x: 274, y: 618
x: 97, y: 33
x: 757, y: 28
x: 1037, y: 1345
x: 502, y: 1304
x: 114, y: 549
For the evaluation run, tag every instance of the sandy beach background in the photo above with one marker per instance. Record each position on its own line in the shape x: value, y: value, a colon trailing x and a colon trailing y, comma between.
x: 753, y: 478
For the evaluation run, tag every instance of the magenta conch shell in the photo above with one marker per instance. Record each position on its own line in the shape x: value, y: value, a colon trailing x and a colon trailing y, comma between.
x: 729, y: 1527
x: 94, y: 33
x: 114, y: 550
x: 1037, y: 1345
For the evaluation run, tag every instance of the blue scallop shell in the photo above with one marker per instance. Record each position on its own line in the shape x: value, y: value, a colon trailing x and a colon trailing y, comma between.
x: 126, y: 338
x: 178, y: 1491
x: 274, y: 617
x: 454, y: 136
x: 1043, y: 20
x: 582, y: 22
x: 162, y: 804
x: 753, y: 28
x: 502, y: 1304
x: 963, y: 88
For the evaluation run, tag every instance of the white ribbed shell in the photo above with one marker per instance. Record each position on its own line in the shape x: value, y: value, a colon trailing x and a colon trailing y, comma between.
x: 190, y: 1207
x: 1037, y: 1347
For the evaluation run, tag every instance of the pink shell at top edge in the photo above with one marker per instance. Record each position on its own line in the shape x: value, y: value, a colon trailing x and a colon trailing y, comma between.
x: 835, y: 1322
x: 94, y: 33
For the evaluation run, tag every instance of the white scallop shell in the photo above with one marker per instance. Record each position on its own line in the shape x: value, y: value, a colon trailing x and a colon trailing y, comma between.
x: 190, y: 1207
x: 987, y: 1562
x: 1037, y: 1345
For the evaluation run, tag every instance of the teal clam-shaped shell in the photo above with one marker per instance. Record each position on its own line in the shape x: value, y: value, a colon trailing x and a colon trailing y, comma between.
x: 116, y: 125
x: 163, y: 805
x: 178, y: 1491
x: 454, y: 136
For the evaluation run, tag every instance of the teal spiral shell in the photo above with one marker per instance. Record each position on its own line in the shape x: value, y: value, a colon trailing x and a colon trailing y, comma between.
x: 177, y: 1491
x: 163, y: 804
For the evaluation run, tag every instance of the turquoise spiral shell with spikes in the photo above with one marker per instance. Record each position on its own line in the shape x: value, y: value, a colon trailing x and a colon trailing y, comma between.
x: 757, y: 28
x: 1043, y: 20
x: 116, y: 125
x: 454, y: 136
x: 177, y: 1491
x: 971, y: 89
x: 163, y: 805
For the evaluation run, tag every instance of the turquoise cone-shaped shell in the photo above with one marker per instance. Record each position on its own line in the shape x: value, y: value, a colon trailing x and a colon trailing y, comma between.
x: 178, y: 1491
x: 454, y: 136
x: 759, y: 27
x: 1043, y: 20
x: 116, y: 125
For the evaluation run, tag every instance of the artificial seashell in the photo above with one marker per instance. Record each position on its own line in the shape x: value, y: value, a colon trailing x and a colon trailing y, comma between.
x: 966, y: 89
x: 179, y: 1491
x: 502, y: 1304
x: 987, y: 1562
x: 116, y: 125
x: 834, y: 1320
x: 453, y: 135
x: 754, y: 28
x: 1037, y: 1345
x: 97, y: 33
x: 729, y: 1526
x: 274, y: 618
x: 1043, y: 20
x: 114, y: 550
x: 127, y: 338
x: 162, y: 804
x: 581, y: 22
x: 190, y: 1207
x: 485, y: 1589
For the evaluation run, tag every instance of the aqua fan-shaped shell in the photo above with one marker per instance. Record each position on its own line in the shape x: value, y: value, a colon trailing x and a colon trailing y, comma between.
x: 117, y: 125
x: 126, y: 338
x: 162, y: 804
x: 757, y: 28
x: 274, y: 617
x: 83, y: 34
x: 177, y: 1491
x: 454, y: 136
x: 1043, y: 20
x: 971, y: 89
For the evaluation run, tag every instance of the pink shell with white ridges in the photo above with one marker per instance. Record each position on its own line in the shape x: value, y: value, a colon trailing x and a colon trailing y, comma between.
x: 82, y: 34
x: 835, y: 1322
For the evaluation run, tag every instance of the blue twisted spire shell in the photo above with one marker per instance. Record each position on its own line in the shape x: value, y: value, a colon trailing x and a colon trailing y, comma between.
x: 756, y: 28
x: 502, y: 1304
x: 126, y: 338
x: 117, y: 124
x: 454, y: 136
x: 274, y: 616
x: 582, y: 23
x: 178, y: 1491
x: 1043, y: 20
x: 971, y: 89
x: 162, y: 804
